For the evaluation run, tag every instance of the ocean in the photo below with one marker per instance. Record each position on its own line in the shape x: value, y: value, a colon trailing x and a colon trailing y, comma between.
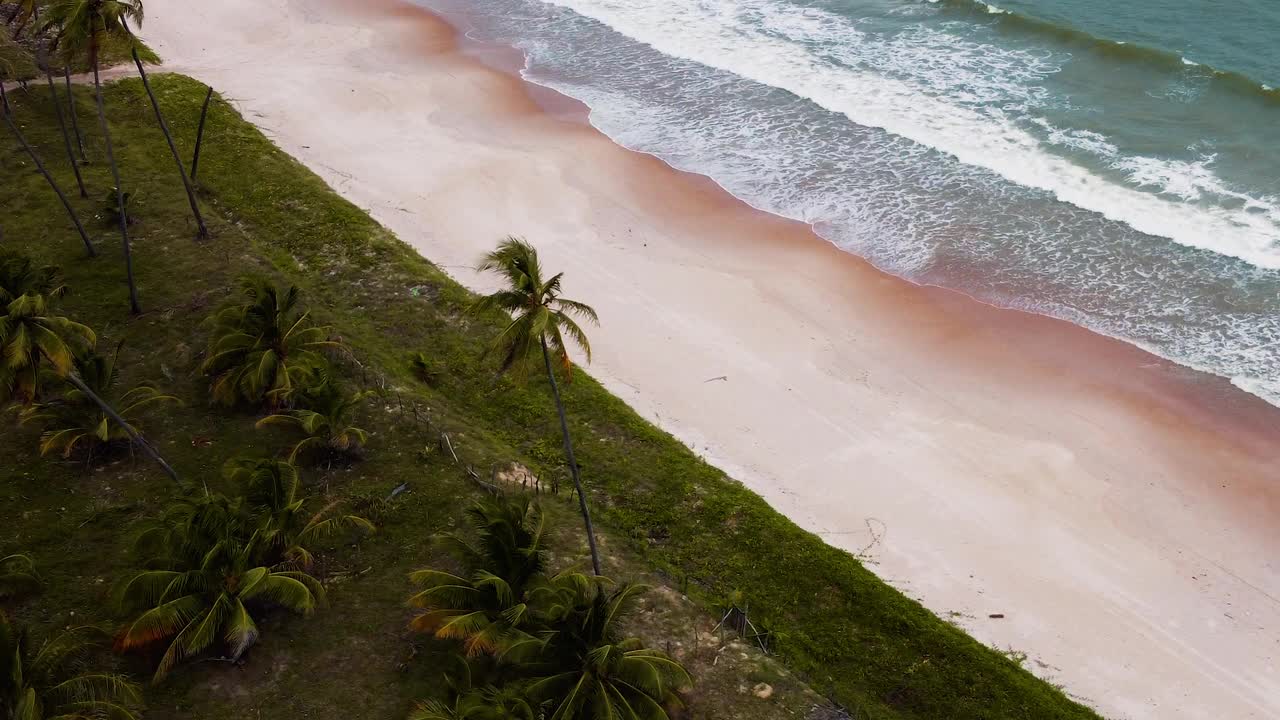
x: 1114, y: 163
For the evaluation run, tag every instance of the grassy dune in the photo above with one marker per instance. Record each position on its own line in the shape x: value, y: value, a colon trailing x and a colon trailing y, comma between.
x: 666, y: 516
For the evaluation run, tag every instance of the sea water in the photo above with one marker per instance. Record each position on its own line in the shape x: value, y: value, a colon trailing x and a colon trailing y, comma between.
x: 1115, y: 163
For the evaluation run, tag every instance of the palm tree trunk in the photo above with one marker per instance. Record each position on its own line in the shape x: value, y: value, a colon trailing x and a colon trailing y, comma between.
x: 66, y: 138
x: 204, y: 112
x: 202, y: 232
x: 71, y: 110
x: 573, y: 463
x: 115, y: 417
x: 134, y: 307
x: 22, y: 140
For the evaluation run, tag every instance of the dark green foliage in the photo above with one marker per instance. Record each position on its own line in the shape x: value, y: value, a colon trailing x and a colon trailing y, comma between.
x: 32, y: 336
x: 48, y: 680
x: 556, y: 642
x: 264, y: 349
x: 18, y: 576
x: 72, y: 424
x: 325, y: 421
x: 214, y: 562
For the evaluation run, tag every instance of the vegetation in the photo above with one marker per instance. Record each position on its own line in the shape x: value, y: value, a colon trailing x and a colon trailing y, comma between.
x: 18, y: 576
x: 213, y: 562
x: 665, y: 517
x: 325, y: 423
x: 264, y: 350
x: 48, y: 680
x: 540, y: 321
x: 75, y: 424
x: 555, y: 642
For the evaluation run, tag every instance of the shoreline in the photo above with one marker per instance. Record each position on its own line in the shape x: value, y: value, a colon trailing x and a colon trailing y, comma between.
x: 1007, y: 454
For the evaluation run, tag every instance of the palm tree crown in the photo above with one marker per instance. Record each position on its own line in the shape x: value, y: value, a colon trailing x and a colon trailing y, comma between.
x: 47, y: 681
x: 207, y: 571
x: 29, y: 331
x: 82, y: 25
x: 591, y: 670
x: 487, y: 608
x: 538, y: 313
x: 265, y: 348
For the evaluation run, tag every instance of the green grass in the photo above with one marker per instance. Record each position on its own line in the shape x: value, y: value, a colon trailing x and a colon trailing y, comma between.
x: 664, y: 513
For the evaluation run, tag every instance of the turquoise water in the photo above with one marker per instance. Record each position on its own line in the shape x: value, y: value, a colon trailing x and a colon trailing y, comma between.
x: 1110, y: 163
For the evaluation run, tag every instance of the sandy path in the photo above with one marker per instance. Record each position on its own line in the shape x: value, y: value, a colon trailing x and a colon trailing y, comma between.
x: 1122, y: 513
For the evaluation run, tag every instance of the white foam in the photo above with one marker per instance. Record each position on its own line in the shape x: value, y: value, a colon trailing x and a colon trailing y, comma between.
x: 941, y: 92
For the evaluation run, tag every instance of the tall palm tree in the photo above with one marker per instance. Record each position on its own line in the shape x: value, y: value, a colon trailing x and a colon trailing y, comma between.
x: 206, y: 576
x: 45, y: 681
x: 488, y: 608
x: 264, y: 349
x: 541, y: 321
x: 24, y: 11
x: 47, y: 66
x: 82, y: 26
x: 202, y: 232
x: 7, y: 112
x: 31, y: 338
x: 590, y: 670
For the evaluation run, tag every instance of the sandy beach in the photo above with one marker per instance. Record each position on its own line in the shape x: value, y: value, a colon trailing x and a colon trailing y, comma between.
x: 1121, y: 513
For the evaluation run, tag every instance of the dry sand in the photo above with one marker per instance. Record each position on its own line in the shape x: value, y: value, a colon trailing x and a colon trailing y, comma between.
x: 1121, y: 512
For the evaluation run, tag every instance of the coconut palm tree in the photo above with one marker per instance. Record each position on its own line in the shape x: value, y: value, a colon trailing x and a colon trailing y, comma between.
x: 487, y: 608
x: 541, y: 322
x: 74, y: 423
x: 202, y: 232
x: 7, y: 112
x: 326, y: 424
x: 46, y: 681
x: 265, y: 349
x: 271, y: 486
x: 24, y: 11
x: 18, y: 576
x: 31, y: 338
x: 589, y: 670
x: 489, y: 703
x: 47, y: 66
x: 206, y: 579
x: 82, y: 26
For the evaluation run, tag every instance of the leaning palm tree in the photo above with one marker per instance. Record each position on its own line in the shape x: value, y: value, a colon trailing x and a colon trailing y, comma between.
x: 7, y: 112
x: 488, y: 607
x: 47, y: 681
x: 206, y: 580
x: 265, y: 349
x: 202, y: 232
x: 541, y: 321
x: 82, y: 26
x: 75, y: 424
x: 47, y: 66
x: 588, y: 669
